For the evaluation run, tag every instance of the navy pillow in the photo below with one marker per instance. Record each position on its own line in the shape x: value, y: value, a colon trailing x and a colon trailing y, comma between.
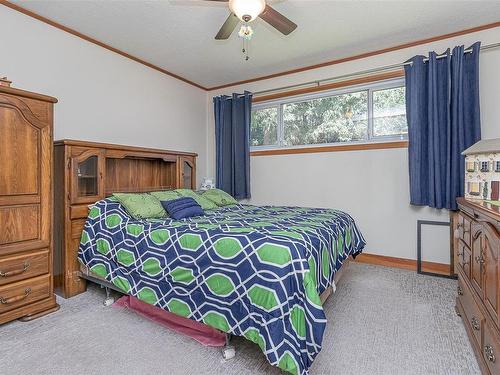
x: 182, y: 208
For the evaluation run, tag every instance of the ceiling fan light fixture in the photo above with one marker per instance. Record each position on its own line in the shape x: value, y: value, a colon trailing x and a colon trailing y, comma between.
x: 247, y: 10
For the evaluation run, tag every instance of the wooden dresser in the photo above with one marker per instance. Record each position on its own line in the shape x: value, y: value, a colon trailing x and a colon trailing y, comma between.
x: 26, y: 285
x: 478, y: 300
x: 86, y: 172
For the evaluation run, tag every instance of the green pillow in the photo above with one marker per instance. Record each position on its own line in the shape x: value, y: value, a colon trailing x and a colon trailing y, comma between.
x: 166, y: 195
x: 203, y: 202
x: 141, y: 205
x: 219, y: 197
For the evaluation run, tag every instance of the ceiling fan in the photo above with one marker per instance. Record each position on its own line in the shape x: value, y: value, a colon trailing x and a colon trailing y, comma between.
x: 248, y: 10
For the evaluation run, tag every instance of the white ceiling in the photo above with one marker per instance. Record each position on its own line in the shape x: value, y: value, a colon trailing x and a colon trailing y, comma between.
x: 178, y: 35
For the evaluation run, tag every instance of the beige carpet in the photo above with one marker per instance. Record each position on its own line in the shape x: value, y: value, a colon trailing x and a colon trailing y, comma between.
x: 381, y: 321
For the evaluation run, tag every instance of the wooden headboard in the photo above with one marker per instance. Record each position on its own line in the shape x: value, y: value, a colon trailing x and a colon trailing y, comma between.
x: 85, y: 172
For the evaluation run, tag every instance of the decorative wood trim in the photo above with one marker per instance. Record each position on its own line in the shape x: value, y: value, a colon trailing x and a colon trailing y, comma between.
x: 26, y: 94
x: 20, y: 107
x: 124, y: 148
x: 330, y: 86
x: 362, y: 55
x: 95, y: 41
x: 5, y: 82
x: 315, y: 149
x: 407, y: 264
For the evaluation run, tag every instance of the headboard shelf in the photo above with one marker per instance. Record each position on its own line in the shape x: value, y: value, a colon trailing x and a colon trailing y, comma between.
x: 86, y: 172
x: 141, y: 189
x: 114, y: 146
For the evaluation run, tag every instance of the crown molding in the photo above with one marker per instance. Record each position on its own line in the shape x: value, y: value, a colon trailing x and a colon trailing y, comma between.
x: 361, y: 56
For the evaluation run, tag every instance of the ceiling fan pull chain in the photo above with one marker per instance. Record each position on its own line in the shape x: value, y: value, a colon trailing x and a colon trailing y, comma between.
x: 247, y: 52
x: 245, y: 34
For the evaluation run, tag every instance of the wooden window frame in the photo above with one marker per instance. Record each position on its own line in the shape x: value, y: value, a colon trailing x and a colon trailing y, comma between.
x: 351, y: 146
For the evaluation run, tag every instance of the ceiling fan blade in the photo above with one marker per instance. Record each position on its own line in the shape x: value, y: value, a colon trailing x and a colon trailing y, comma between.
x: 228, y: 27
x: 277, y: 20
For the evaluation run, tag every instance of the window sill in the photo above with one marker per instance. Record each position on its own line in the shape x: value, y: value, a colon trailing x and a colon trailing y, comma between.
x: 315, y: 149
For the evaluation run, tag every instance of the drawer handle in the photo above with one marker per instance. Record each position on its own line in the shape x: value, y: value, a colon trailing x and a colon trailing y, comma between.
x: 7, y: 301
x: 488, y: 352
x: 460, y: 290
x: 475, y: 323
x: 16, y: 272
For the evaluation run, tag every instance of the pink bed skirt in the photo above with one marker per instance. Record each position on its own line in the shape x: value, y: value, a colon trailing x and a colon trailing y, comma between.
x: 200, y: 332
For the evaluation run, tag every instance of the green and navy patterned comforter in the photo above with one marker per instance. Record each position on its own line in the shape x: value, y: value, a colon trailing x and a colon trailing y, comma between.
x: 251, y: 271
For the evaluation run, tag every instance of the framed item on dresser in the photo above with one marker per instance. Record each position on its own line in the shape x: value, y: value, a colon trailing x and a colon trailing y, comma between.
x: 26, y: 279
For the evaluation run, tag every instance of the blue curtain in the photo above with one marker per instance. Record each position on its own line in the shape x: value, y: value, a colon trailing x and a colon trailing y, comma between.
x: 442, y: 109
x: 232, y: 135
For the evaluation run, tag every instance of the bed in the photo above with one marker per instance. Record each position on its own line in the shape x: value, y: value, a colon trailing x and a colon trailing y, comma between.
x: 252, y: 271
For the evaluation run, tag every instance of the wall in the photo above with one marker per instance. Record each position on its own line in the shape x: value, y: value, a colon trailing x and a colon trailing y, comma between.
x: 108, y: 98
x: 371, y: 185
x: 102, y: 96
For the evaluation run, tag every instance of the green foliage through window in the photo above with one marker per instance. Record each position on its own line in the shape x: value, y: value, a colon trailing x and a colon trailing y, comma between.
x: 373, y: 112
x: 264, y: 129
x: 340, y: 118
x: 389, y: 112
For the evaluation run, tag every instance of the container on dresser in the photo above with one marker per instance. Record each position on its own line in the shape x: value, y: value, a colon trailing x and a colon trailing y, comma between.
x: 86, y: 172
x: 478, y: 300
x: 26, y: 280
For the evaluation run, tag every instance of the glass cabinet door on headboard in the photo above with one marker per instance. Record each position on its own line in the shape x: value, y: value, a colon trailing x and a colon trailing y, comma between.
x: 187, y: 178
x: 86, y: 176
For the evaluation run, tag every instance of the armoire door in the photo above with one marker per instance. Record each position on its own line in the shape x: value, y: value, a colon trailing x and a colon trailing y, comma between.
x: 25, y: 175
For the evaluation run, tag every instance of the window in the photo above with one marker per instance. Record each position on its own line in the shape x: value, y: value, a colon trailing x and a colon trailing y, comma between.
x: 389, y: 112
x: 359, y: 114
x: 497, y: 168
x: 264, y: 129
x: 485, y: 166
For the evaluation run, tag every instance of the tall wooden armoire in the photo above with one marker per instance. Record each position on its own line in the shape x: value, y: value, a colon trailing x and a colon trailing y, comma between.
x: 26, y: 279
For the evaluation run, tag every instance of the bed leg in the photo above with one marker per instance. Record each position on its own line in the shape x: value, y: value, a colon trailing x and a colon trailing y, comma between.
x: 109, y: 300
x: 228, y: 351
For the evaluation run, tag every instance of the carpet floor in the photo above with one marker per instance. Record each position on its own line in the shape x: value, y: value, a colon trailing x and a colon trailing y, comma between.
x: 381, y: 321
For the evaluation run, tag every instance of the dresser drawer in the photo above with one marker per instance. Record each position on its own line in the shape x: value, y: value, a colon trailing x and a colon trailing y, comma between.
x: 464, y: 228
x: 464, y: 258
x: 24, y: 292
x: 19, y: 267
x: 473, y: 316
x: 491, y: 350
x: 80, y: 211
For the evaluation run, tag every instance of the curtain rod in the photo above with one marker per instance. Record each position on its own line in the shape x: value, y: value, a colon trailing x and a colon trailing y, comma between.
x: 362, y: 73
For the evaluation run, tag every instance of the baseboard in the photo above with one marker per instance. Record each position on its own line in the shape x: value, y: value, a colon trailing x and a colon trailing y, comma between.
x: 407, y: 264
